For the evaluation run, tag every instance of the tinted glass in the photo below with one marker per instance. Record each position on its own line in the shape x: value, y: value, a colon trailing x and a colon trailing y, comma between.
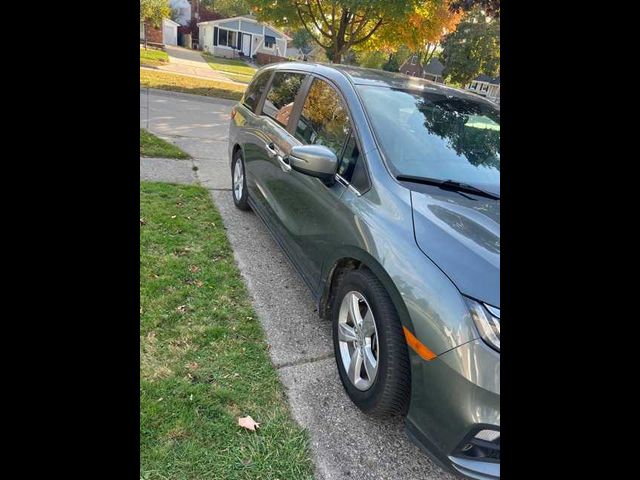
x: 254, y: 91
x: 438, y: 136
x: 324, y: 119
x: 279, y: 101
x: 351, y: 168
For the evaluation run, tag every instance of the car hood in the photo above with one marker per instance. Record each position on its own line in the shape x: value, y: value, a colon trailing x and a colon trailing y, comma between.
x: 461, y: 235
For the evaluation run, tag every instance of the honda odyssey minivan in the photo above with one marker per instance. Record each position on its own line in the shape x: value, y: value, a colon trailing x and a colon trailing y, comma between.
x: 384, y: 192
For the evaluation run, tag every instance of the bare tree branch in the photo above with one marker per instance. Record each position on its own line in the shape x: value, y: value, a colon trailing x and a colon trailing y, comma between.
x: 309, y: 30
x: 368, y: 35
x: 313, y: 19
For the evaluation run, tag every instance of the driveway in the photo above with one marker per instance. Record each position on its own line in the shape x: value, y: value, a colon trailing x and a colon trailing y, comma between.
x: 345, y: 443
x: 190, y: 62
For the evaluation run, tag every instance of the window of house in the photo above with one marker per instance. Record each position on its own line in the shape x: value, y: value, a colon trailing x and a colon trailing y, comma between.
x: 269, y: 41
x: 227, y: 38
x: 254, y: 92
x: 485, y: 87
x: 278, y: 103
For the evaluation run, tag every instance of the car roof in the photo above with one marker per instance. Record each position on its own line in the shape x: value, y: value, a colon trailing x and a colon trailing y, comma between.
x: 381, y: 78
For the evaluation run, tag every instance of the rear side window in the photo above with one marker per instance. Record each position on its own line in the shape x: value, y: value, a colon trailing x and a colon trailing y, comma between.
x: 324, y: 119
x: 283, y: 91
x: 254, y: 91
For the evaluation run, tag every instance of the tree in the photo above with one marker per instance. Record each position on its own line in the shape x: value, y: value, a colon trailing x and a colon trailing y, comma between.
x: 472, y: 49
x: 152, y: 12
x: 302, y: 41
x: 490, y: 7
x: 335, y: 25
x: 423, y: 29
x: 227, y: 8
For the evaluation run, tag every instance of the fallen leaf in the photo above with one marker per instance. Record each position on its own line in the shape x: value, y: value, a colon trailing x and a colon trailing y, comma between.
x: 143, y: 221
x: 248, y: 423
x: 194, y: 268
x: 173, y: 216
x: 192, y: 366
x: 199, y: 283
x: 182, y: 308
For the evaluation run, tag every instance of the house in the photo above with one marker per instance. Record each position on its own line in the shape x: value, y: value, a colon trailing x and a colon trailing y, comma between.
x: 432, y: 71
x: 167, y: 34
x: 316, y: 54
x: 486, y: 86
x: 241, y: 36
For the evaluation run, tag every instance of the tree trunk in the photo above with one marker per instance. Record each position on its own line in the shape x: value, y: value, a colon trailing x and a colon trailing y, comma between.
x: 337, y: 55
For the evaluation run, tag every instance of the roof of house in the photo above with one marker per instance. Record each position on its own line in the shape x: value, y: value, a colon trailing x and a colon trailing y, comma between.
x: 171, y: 22
x: 248, y: 17
x: 488, y: 79
x: 434, y: 67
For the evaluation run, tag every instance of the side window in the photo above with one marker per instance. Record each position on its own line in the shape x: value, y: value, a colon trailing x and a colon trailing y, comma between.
x: 351, y: 169
x: 254, y: 91
x: 324, y: 119
x: 279, y: 101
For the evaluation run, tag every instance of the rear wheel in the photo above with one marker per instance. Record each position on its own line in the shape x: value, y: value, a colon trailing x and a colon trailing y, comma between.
x: 369, y: 345
x: 239, y: 182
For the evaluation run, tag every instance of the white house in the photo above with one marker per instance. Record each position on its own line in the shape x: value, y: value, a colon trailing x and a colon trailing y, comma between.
x: 166, y: 34
x: 486, y: 86
x: 243, y: 35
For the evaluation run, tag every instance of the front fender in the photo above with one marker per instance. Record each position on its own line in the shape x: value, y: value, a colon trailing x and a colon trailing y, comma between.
x: 428, y: 303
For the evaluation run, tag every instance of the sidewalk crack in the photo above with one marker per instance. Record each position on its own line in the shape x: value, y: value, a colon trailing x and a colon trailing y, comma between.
x: 303, y: 361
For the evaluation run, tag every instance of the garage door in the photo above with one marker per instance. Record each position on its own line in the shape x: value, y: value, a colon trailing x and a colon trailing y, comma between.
x: 170, y: 35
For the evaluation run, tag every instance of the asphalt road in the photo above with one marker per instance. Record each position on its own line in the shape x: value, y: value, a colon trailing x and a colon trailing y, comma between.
x: 345, y: 442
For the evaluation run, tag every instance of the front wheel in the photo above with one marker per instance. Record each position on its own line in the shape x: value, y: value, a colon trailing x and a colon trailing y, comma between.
x: 369, y: 345
x: 239, y: 182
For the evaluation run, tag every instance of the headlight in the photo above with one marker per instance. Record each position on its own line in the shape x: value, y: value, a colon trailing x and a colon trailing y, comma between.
x: 488, y: 324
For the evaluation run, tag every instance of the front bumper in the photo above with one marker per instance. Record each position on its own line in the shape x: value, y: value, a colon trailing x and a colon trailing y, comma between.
x: 453, y: 395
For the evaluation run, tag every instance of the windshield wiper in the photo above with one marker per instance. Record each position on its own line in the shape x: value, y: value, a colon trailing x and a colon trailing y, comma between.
x: 449, y: 185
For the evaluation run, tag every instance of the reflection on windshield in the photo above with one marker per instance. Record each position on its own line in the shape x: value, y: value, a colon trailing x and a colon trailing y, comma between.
x: 434, y: 135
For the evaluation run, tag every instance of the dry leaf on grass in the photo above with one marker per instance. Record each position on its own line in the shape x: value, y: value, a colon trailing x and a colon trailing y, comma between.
x: 182, y: 308
x: 248, y: 423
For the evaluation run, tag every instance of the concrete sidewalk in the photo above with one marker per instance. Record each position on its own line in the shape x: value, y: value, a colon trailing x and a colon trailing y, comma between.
x: 190, y: 62
x: 345, y: 443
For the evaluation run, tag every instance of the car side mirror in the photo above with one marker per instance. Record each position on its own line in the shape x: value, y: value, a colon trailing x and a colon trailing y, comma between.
x: 314, y: 160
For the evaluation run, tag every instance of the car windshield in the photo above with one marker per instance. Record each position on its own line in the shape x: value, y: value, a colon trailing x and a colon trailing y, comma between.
x: 437, y: 136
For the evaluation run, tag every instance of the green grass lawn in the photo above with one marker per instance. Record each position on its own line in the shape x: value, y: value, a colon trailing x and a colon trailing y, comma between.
x: 203, y: 358
x: 152, y: 146
x: 234, y: 69
x: 196, y: 86
x: 153, y: 57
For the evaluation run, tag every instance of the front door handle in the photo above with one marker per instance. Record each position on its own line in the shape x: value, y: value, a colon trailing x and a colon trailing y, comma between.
x: 284, y: 163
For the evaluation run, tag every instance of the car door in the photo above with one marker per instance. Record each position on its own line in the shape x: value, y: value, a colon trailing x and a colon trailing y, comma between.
x: 309, y: 211
x: 272, y: 140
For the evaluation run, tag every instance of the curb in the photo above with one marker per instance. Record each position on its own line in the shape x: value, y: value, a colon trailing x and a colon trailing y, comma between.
x: 189, y: 96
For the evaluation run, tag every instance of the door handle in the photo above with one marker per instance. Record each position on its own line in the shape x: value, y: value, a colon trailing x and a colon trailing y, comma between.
x: 271, y: 150
x: 284, y: 163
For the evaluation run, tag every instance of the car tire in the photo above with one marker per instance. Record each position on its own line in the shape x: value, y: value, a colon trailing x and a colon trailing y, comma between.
x: 239, y: 182
x: 387, y: 391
